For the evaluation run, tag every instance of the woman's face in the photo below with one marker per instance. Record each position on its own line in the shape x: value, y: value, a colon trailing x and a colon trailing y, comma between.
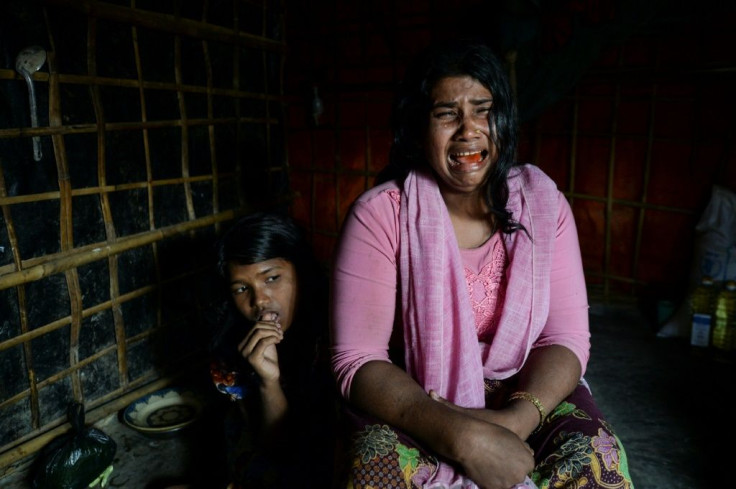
x: 265, y: 291
x: 458, y: 144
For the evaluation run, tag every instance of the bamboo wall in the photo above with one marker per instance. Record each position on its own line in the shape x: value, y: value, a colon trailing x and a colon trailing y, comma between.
x: 158, y: 123
x: 627, y: 105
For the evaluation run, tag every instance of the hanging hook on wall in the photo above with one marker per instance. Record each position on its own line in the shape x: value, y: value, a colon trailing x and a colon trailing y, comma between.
x: 29, y: 61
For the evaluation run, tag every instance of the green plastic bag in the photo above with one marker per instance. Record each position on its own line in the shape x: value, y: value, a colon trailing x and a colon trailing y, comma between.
x: 77, y: 459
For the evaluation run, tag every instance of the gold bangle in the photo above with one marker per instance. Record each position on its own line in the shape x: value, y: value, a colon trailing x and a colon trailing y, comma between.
x: 533, y: 399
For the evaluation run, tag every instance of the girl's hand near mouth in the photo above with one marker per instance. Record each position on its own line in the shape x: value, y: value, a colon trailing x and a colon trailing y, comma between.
x: 259, y: 349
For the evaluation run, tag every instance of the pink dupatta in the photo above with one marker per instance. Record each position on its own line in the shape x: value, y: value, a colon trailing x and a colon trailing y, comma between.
x: 442, y: 351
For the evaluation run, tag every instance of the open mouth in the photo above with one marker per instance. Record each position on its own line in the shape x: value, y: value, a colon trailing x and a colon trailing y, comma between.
x: 467, y: 158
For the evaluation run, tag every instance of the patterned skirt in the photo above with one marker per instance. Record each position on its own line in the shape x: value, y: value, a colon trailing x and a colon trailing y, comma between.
x: 574, y: 448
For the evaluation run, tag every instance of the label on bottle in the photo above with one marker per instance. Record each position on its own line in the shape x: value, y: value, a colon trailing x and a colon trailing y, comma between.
x: 700, y: 333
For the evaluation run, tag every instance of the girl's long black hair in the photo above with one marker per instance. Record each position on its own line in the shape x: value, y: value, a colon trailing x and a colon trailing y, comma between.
x: 252, y: 239
x: 413, y: 102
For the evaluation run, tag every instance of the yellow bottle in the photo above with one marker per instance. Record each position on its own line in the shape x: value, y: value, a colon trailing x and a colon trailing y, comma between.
x: 701, y: 303
x: 724, y: 320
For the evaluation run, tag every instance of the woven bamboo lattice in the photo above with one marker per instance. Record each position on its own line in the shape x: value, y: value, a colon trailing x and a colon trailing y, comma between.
x: 151, y: 123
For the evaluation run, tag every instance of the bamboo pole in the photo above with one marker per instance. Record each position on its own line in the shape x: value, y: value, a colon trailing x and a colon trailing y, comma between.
x: 574, y: 144
x: 57, y: 377
x: 40, y: 260
x: 610, y: 183
x: 238, y: 110
x: 210, y: 115
x: 66, y: 218
x: 120, y: 334
x: 184, y: 143
x: 171, y: 24
x: 74, y: 258
x: 26, y: 336
x: 632, y: 203
x: 646, y: 174
x: 37, y: 385
x: 128, y: 126
x: 24, y: 199
x: 22, y: 305
x: 91, y: 79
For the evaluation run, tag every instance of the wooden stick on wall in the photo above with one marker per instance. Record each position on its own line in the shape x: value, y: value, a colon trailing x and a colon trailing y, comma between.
x: 211, y: 113
x: 646, y: 174
x: 184, y: 129
x: 574, y: 144
x: 76, y: 258
x: 120, y: 336
x: 22, y: 306
x: 66, y: 222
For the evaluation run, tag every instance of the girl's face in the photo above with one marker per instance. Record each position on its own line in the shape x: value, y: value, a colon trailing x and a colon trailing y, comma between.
x: 458, y: 142
x: 265, y: 291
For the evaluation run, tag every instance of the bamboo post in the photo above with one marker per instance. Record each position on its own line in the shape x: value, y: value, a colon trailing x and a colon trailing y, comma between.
x: 211, y: 114
x: 610, y: 184
x: 646, y: 174
x: 74, y: 258
x: 22, y: 306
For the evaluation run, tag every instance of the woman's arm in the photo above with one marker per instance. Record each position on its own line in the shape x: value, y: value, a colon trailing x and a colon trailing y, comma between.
x: 491, y: 455
x: 567, y: 321
x: 363, y: 309
x: 558, y: 358
x: 550, y: 374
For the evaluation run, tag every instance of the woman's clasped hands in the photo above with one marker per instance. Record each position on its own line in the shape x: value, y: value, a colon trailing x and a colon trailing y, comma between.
x: 492, y: 454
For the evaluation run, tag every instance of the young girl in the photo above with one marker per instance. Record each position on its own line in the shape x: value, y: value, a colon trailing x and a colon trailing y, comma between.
x: 268, y: 355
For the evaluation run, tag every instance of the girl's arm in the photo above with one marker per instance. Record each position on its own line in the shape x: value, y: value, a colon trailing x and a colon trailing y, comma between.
x: 259, y: 349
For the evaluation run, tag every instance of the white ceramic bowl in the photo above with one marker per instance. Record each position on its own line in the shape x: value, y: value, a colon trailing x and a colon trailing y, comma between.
x: 163, y: 411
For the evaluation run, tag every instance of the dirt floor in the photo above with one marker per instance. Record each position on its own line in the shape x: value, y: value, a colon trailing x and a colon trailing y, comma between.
x: 668, y: 406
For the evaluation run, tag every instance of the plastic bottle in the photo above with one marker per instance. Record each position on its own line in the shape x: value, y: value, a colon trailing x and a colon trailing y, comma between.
x: 724, y: 324
x: 701, y: 303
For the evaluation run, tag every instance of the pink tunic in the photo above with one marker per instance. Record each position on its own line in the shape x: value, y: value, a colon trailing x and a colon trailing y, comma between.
x: 366, y: 277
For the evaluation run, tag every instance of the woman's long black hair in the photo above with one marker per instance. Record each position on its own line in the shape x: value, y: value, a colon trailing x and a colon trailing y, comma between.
x: 413, y: 103
x: 255, y: 238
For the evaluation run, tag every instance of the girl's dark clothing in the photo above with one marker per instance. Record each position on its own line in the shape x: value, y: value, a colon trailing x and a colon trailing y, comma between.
x: 305, y: 456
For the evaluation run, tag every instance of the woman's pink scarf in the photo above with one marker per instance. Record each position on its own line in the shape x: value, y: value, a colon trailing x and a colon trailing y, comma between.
x: 442, y: 351
x: 437, y: 315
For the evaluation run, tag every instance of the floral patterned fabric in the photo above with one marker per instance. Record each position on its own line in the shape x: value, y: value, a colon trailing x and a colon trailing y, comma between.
x: 574, y: 449
x: 577, y: 448
x: 382, y: 457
